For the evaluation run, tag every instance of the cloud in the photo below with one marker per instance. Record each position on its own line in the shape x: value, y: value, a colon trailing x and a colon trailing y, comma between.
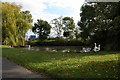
x: 41, y: 9
x: 38, y: 8
x: 70, y: 4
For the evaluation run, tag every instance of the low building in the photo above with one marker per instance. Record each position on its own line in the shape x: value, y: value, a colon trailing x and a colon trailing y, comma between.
x: 32, y: 37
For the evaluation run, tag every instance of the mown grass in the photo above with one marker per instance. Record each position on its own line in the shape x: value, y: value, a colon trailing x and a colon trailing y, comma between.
x: 66, y: 65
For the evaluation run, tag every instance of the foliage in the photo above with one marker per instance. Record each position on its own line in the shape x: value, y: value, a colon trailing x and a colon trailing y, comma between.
x: 77, y: 32
x: 58, y: 26
x: 67, y: 65
x: 42, y: 28
x: 14, y: 25
x: 69, y: 26
x: 27, y: 16
x: 100, y: 23
x: 66, y: 27
x: 57, y: 42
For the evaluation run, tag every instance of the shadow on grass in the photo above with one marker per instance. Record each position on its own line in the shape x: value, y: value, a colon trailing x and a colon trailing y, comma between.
x: 65, y: 64
x: 107, y: 69
x: 25, y: 56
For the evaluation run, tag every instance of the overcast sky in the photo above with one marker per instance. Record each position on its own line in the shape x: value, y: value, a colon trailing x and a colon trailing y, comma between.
x: 50, y: 9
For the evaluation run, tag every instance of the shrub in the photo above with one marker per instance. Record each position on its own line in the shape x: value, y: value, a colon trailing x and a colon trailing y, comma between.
x: 57, y: 42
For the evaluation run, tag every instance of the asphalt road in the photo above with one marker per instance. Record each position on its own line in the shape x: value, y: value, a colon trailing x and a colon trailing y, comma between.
x: 12, y: 70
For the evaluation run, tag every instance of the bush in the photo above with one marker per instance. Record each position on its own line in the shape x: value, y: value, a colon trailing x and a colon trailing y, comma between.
x: 57, y: 42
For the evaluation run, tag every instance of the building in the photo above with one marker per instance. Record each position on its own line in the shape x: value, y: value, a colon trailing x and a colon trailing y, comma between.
x: 30, y: 35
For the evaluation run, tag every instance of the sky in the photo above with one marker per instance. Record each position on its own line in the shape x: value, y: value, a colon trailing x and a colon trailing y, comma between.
x: 51, y: 9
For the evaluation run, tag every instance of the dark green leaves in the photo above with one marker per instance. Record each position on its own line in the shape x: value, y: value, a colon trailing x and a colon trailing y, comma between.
x: 42, y: 28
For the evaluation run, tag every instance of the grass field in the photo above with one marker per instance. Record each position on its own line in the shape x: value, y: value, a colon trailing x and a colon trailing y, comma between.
x: 66, y: 65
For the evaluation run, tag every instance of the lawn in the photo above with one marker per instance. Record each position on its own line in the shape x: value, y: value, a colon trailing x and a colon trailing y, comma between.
x: 66, y: 65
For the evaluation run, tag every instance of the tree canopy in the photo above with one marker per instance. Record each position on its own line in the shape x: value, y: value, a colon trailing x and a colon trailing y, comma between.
x: 58, y: 25
x: 14, y: 25
x: 100, y: 23
x: 69, y: 26
x: 42, y: 28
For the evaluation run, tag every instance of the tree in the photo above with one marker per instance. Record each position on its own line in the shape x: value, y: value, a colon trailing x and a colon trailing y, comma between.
x: 100, y: 22
x: 14, y: 25
x: 22, y: 27
x: 77, y: 32
x: 42, y: 28
x: 58, y: 26
x: 69, y: 26
x: 23, y: 24
x: 87, y: 21
x: 27, y: 16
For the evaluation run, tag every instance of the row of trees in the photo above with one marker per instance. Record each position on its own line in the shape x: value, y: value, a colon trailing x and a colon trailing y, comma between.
x: 100, y: 23
x: 62, y: 26
x: 15, y: 23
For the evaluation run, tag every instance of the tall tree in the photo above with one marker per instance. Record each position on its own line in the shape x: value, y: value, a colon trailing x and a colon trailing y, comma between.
x: 87, y: 20
x: 27, y: 16
x: 69, y: 26
x: 42, y: 28
x: 77, y: 32
x: 14, y: 25
x: 23, y: 24
x: 57, y: 26
x: 100, y: 22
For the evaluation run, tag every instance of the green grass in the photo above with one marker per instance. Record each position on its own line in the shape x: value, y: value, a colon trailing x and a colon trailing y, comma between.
x: 66, y: 65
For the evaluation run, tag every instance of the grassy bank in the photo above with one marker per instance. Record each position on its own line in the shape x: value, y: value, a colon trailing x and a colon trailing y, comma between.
x: 66, y: 65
